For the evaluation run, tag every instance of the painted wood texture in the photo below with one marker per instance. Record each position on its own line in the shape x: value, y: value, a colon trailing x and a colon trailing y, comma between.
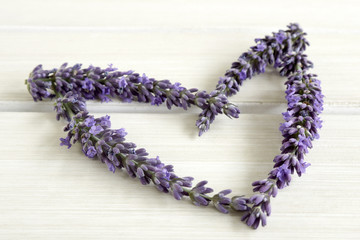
x: 50, y: 192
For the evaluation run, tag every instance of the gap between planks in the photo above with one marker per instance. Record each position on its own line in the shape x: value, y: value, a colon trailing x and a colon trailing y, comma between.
x: 195, y: 29
x: 135, y: 107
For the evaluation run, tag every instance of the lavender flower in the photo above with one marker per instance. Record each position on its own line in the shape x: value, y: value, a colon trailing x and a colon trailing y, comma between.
x: 38, y: 84
x: 109, y: 146
x: 65, y: 142
x: 253, y: 218
x: 280, y: 36
x: 213, y: 104
x: 265, y: 186
x: 221, y: 202
x: 301, y: 126
x: 91, y: 151
x: 198, y: 194
x: 104, y: 84
x: 88, y: 84
x: 71, y: 102
x: 261, y: 208
x: 293, y: 62
x: 239, y: 203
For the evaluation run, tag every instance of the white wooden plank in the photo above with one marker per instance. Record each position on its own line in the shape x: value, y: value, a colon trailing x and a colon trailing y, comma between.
x: 160, y: 13
x: 49, y: 191
x: 194, y: 59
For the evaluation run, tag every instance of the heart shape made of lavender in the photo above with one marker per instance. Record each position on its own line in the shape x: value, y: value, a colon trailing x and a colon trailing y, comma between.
x: 72, y: 86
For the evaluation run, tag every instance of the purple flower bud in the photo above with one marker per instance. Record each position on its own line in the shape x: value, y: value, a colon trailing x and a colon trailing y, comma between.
x: 65, y: 142
x: 91, y: 152
x: 239, y: 203
x: 221, y: 202
x: 89, y: 121
x: 87, y: 84
x: 94, y: 130
x: 280, y: 37
x: 253, y: 218
x: 122, y: 83
x: 105, y: 122
x: 110, y: 166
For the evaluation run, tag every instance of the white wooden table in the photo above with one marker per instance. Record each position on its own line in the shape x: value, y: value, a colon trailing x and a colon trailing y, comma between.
x: 49, y: 192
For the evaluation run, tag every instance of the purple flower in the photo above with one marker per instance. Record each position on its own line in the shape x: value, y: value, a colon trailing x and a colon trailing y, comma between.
x: 110, y: 165
x: 283, y: 174
x: 304, y: 143
x: 265, y: 186
x: 121, y: 132
x: 257, y: 199
x: 144, y: 79
x: 94, y: 130
x: 65, y: 142
x: 91, y: 152
x: 105, y: 121
x: 260, y: 47
x: 198, y: 194
x: 166, y: 173
x: 280, y: 37
x: 102, y: 84
x: 301, y: 168
x: 89, y: 121
x: 221, y: 202
x: 87, y: 84
x: 177, y: 86
x: 110, y: 68
x: 242, y: 74
x: 240, y: 203
x: 203, y: 124
x: 156, y: 101
x: 70, y: 101
x: 254, y: 217
x: 177, y: 191
x: 105, y: 91
x: 318, y: 123
x: 231, y: 110
x: 122, y: 82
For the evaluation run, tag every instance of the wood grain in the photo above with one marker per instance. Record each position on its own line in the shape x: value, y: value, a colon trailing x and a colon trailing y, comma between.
x: 50, y: 192
x: 47, y: 189
x: 194, y: 59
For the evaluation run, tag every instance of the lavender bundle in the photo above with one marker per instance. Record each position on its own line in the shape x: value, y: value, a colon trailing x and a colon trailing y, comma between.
x: 73, y: 86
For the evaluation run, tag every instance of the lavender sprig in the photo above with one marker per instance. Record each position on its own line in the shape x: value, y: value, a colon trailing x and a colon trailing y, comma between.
x: 280, y: 49
x: 103, y: 84
x: 305, y: 103
x: 109, y: 146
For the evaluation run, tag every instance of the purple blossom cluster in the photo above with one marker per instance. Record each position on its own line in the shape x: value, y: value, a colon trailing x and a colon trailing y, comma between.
x: 282, y: 49
x: 69, y: 101
x: 73, y: 86
x: 212, y: 105
x: 302, y: 122
x: 103, y: 84
x: 109, y: 146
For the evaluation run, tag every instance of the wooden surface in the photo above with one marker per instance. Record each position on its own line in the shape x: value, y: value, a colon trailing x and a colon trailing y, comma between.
x: 50, y: 192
